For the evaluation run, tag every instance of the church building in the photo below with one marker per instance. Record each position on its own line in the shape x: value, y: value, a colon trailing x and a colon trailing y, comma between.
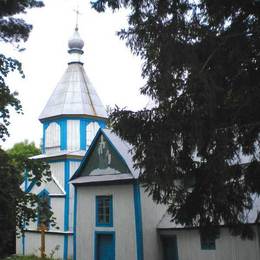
x: 70, y: 120
x: 116, y: 219
x: 102, y: 210
x: 114, y: 216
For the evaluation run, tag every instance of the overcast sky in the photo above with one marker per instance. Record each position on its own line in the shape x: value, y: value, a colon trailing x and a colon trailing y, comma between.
x: 114, y: 72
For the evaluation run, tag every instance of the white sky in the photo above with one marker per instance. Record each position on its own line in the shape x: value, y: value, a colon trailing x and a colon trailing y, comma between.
x: 113, y: 70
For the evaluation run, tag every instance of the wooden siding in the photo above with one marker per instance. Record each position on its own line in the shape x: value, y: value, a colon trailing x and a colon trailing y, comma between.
x: 227, y: 247
x: 73, y: 167
x: 123, y: 220
x: 33, y: 243
x: 57, y: 171
x: 151, y: 215
x: 57, y: 206
x: 50, y: 186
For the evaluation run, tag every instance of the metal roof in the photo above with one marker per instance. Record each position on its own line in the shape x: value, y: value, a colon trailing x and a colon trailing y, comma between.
x: 102, y: 178
x: 250, y: 216
x: 80, y: 153
x: 74, y: 95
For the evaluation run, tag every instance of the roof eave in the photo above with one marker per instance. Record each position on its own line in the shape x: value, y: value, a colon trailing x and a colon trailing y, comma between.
x: 45, y: 119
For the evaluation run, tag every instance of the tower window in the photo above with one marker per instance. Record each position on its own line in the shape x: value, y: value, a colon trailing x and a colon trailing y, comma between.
x: 207, y: 243
x: 52, y: 138
x: 92, y: 129
x: 104, y: 211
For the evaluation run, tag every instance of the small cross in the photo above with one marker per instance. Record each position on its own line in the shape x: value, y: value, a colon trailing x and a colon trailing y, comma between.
x: 102, y: 146
x: 77, y: 17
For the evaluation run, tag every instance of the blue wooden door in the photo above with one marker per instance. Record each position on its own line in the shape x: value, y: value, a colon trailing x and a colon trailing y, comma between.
x: 105, y: 247
x: 170, y: 250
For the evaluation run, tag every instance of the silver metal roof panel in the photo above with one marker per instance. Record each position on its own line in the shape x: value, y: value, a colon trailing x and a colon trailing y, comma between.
x: 80, y: 153
x: 102, y: 178
x: 250, y: 216
x: 74, y: 95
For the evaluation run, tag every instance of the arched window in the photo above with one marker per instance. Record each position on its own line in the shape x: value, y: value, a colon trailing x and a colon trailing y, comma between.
x: 52, y: 138
x: 44, y: 209
x: 73, y: 135
x: 92, y: 129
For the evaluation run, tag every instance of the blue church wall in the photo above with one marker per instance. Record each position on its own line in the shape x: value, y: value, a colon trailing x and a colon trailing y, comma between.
x: 62, y: 122
x: 67, y: 203
x: 63, y: 146
x: 66, y: 208
x: 138, y: 221
x: 75, y: 223
x: 83, y: 127
x: 63, y: 133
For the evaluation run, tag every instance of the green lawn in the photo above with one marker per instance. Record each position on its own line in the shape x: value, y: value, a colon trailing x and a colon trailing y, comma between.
x: 26, y: 258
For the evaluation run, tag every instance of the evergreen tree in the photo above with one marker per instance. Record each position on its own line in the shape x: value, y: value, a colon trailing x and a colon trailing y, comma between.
x: 201, y: 60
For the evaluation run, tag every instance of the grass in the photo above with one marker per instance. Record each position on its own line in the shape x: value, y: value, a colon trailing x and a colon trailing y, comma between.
x: 32, y: 257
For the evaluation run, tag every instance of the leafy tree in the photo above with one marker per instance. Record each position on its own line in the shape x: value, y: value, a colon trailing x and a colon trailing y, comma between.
x: 20, y: 153
x: 24, y: 148
x: 201, y: 60
x: 19, y: 207
x: 36, y: 172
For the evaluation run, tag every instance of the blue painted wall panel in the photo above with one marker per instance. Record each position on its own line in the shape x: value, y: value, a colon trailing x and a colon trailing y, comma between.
x: 66, y: 208
x: 138, y: 221
x: 63, y: 134
x: 75, y: 224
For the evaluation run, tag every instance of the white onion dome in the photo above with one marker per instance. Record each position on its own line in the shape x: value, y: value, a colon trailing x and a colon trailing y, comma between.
x: 76, y: 42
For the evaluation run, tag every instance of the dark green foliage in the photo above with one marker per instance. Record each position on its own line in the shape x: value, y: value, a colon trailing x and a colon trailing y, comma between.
x: 18, y: 208
x: 9, y: 185
x: 109, y: 110
x: 44, y: 213
x: 201, y: 60
x: 12, y: 28
x: 7, y: 98
x: 37, y: 172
